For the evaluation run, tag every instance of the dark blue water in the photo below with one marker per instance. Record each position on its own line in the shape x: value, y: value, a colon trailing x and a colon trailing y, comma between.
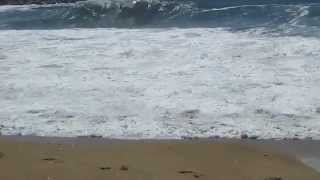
x: 283, y: 16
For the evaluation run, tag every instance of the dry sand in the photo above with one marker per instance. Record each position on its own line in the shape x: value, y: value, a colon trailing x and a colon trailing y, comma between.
x: 138, y: 160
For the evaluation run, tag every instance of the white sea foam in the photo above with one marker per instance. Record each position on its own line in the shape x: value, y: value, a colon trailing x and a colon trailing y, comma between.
x: 158, y: 83
x: 29, y: 7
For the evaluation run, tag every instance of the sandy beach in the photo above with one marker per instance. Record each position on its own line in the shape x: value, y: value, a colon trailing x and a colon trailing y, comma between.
x: 94, y: 159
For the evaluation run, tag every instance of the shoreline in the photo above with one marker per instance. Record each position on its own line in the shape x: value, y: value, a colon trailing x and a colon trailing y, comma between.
x: 307, y: 151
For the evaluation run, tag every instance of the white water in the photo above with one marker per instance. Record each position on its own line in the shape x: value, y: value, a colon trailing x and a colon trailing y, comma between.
x: 158, y: 83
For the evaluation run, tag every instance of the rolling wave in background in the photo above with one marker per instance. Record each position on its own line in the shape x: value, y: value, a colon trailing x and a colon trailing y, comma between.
x: 279, y: 16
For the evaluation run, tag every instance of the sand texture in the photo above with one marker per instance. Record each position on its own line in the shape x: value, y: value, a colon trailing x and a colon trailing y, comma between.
x: 146, y: 161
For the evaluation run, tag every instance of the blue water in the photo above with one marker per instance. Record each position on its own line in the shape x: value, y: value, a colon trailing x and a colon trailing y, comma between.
x: 280, y: 16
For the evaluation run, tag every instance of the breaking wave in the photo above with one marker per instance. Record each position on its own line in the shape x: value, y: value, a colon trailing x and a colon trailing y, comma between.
x: 289, y: 17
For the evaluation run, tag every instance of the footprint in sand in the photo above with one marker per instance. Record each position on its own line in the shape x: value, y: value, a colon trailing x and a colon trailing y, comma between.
x: 105, y: 168
x: 124, y: 168
x: 1, y: 155
x: 193, y: 173
x: 273, y: 178
x: 52, y: 160
x: 49, y: 159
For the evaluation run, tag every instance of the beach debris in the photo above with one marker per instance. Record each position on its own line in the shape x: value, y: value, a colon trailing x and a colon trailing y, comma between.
x: 124, y: 168
x: 1, y: 155
x: 273, y: 178
x: 105, y: 168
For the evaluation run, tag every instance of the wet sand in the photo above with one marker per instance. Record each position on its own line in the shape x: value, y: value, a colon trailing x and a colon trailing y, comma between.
x: 35, y: 158
x: 307, y: 151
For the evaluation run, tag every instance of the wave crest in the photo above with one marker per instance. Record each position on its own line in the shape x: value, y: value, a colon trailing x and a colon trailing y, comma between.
x: 164, y: 13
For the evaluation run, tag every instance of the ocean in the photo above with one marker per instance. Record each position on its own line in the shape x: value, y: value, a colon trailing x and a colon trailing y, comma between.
x: 161, y: 69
